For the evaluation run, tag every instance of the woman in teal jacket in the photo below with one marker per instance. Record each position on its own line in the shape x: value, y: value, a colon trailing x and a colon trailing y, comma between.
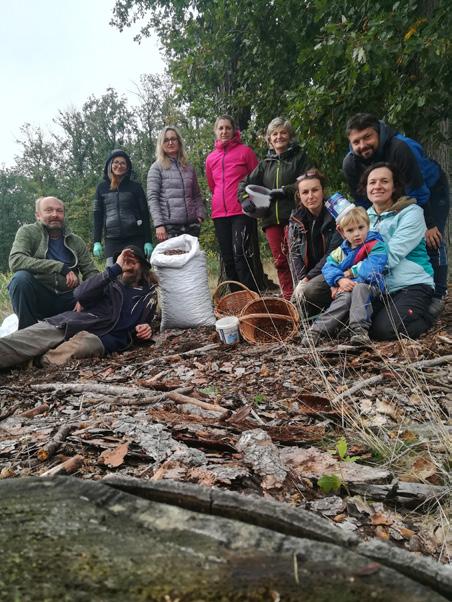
x: 409, y: 282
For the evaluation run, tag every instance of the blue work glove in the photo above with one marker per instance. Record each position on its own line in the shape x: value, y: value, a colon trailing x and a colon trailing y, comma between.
x: 248, y: 206
x: 98, y: 250
x: 148, y: 248
x: 277, y: 193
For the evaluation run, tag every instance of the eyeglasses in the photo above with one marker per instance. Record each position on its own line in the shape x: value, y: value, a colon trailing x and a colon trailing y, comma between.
x: 167, y: 140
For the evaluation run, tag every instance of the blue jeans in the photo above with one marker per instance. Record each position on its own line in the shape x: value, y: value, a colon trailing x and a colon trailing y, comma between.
x: 439, y: 212
x: 32, y: 301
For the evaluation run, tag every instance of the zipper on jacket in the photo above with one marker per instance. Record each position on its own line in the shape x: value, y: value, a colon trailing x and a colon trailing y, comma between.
x: 222, y: 175
x: 183, y: 190
x: 277, y: 186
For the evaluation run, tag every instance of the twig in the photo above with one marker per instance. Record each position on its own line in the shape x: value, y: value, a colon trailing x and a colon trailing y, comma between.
x: 54, y: 444
x: 68, y: 467
x: 198, y: 350
x: 10, y: 411
x: 373, y: 380
x: 35, y: 411
x: 437, y: 361
x: 178, y: 398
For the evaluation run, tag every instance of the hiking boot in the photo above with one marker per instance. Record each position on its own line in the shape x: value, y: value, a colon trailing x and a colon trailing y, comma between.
x: 436, y: 307
x: 311, y: 339
x: 360, y: 336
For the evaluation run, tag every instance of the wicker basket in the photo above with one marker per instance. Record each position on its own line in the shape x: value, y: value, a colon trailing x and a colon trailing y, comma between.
x: 259, y: 329
x: 232, y: 303
x: 271, y: 305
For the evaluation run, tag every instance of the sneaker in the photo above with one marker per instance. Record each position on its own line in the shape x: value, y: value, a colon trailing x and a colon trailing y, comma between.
x: 436, y: 306
x: 360, y: 336
x: 311, y: 339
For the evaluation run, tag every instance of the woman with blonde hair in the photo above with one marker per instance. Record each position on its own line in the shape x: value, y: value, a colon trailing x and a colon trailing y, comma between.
x: 285, y: 161
x: 173, y: 193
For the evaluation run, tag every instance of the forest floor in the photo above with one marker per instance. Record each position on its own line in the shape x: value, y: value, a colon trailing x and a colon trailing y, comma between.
x: 361, y: 436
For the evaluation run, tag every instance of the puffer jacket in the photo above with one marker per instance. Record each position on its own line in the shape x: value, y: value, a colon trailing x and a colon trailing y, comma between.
x: 226, y: 166
x: 278, y: 171
x: 121, y: 213
x: 403, y: 230
x: 310, y: 240
x: 173, y: 195
x: 367, y: 262
x: 29, y: 253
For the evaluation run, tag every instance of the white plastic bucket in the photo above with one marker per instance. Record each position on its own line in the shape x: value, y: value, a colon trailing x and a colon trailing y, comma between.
x: 228, y: 330
x: 259, y: 195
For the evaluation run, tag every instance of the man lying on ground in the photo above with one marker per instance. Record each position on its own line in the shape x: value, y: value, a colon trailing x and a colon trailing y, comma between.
x: 112, y: 308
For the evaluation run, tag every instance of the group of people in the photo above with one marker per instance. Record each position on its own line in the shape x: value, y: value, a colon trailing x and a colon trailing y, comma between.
x: 382, y: 271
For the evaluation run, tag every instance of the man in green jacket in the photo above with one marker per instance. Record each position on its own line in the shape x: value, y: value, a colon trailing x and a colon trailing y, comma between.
x: 47, y: 261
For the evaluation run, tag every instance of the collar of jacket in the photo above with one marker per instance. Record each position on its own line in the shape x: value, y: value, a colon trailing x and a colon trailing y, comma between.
x: 234, y: 141
x: 400, y: 205
x: 301, y: 215
x: 287, y: 154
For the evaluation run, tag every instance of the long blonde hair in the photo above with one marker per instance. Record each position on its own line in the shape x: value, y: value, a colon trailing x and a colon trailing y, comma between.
x: 162, y: 157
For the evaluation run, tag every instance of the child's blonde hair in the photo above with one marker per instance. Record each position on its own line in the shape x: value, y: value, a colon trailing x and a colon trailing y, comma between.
x: 356, y: 214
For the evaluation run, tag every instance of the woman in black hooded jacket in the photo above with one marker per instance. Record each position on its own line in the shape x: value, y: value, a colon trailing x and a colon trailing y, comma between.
x: 121, y: 214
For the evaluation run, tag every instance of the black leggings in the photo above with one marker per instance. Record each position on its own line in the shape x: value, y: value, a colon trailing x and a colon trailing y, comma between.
x: 235, y: 238
x: 404, y: 312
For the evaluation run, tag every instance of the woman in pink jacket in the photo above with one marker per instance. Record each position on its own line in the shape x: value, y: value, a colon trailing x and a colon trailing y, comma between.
x: 226, y: 166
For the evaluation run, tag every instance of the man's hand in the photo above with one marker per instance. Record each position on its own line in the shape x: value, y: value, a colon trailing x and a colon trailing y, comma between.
x: 433, y: 237
x: 126, y: 256
x: 334, y: 290
x: 161, y: 234
x: 72, y: 280
x: 78, y: 307
x: 144, y: 332
x: 345, y: 284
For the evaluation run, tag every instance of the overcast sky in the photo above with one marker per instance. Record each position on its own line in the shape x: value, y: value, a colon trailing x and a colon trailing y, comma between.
x: 56, y: 53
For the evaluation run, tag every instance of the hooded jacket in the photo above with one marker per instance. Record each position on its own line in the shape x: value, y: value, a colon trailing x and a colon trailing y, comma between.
x: 366, y: 262
x: 102, y: 300
x: 310, y: 239
x: 403, y: 230
x: 418, y: 172
x: 278, y: 171
x: 29, y: 253
x: 121, y: 213
x: 173, y: 194
x: 226, y: 166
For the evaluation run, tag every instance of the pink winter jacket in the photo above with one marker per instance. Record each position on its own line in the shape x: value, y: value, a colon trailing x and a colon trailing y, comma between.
x: 226, y: 166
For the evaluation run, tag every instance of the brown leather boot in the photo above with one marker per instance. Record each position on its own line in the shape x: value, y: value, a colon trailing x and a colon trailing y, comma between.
x: 83, y: 344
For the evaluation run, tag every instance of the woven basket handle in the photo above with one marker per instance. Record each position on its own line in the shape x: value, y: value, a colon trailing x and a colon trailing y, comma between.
x: 215, y: 294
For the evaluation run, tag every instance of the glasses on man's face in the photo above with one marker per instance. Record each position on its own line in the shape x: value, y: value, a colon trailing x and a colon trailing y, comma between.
x: 168, y: 140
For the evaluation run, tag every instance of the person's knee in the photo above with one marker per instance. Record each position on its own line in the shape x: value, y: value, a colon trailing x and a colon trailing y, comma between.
x: 21, y: 279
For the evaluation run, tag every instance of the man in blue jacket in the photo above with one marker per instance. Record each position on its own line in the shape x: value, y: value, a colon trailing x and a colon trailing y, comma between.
x: 371, y: 141
x: 112, y: 308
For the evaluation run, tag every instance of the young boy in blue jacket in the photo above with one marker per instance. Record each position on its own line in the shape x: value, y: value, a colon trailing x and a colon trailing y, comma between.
x: 354, y: 271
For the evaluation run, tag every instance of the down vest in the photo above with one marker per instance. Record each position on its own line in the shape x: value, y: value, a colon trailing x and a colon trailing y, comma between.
x: 226, y: 166
x: 174, y: 197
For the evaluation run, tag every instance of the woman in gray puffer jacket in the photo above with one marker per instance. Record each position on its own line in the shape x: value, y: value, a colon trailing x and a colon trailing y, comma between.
x: 173, y: 193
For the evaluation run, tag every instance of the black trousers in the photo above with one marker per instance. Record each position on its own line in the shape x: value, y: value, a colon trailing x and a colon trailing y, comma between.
x: 235, y: 238
x: 402, y: 313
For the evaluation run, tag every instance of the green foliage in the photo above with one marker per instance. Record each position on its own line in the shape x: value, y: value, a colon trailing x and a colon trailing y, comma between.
x: 342, y: 449
x: 17, y: 208
x: 329, y: 483
x: 259, y: 398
